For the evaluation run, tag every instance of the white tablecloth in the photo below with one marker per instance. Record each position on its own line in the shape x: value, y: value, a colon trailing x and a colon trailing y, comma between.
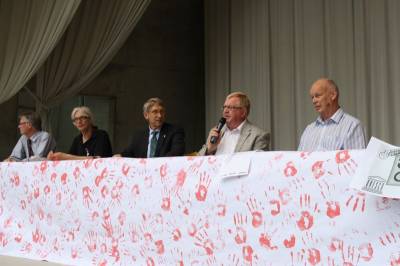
x: 292, y: 209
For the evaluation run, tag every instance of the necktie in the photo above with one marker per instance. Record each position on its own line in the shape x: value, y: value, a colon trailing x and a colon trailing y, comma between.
x: 153, y: 143
x: 30, y: 151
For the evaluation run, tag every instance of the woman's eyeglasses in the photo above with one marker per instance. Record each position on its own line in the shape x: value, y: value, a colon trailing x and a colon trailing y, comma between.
x: 81, y: 118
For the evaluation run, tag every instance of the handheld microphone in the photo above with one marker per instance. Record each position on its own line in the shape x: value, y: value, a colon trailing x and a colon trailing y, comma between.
x: 220, y: 125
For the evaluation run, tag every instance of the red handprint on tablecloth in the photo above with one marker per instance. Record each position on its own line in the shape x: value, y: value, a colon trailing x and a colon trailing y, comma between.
x: 220, y: 206
x: 395, y: 259
x: 350, y: 254
x: 177, y: 254
x: 184, y: 204
x: 266, y: 242
x: 306, y: 219
x: 174, y: 231
x: 122, y: 218
x: 125, y: 169
x: 166, y: 199
x: 159, y: 246
x: 107, y: 226
x: 15, y: 180
x: 116, y: 193
x: 383, y: 203
x: 196, y: 224
x: 3, y: 239
x: 77, y: 173
x: 355, y: 201
x: 38, y: 237
x: 87, y: 198
x: 204, y: 241
x: 290, y: 169
x: 290, y: 241
x: 240, y: 222
x: 389, y: 238
x: 233, y: 260
x: 180, y: 181
x: 248, y: 254
x: 163, y: 173
x: 195, y: 166
x: 91, y: 241
x: 318, y: 169
x: 310, y: 256
x: 101, y: 177
x: 332, y: 206
x: 257, y: 217
x: 202, y: 187
x: 345, y: 162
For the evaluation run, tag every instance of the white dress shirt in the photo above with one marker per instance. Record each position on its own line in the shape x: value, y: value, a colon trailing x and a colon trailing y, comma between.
x: 229, y: 140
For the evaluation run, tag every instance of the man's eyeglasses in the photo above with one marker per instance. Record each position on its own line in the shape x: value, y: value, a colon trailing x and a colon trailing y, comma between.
x: 23, y: 123
x: 81, y: 118
x: 230, y: 107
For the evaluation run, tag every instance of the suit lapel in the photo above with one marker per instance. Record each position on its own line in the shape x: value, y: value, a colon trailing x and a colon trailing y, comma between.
x: 145, y: 144
x: 244, y: 134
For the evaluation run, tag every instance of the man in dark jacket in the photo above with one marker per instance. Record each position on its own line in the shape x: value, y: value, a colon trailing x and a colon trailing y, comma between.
x: 160, y: 139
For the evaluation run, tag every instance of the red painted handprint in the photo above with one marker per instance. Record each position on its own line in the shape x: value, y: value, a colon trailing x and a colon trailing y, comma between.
x: 240, y: 222
x: 253, y: 207
x: 290, y: 169
x: 356, y: 201
x: 306, y: 219
x: 345, y: 162
x: 202, y: 187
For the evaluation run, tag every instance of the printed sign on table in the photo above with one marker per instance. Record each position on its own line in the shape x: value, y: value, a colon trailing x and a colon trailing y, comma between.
x: 379, y: 172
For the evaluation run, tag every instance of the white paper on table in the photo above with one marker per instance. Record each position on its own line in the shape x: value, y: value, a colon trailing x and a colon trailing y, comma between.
x: 379, y: 173
x: 236, y: 164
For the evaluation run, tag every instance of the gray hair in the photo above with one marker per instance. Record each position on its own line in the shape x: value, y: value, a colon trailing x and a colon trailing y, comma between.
x: 244, y: 100
x: 150, y: 103
x: 85, y: 110
x: 33, y: 118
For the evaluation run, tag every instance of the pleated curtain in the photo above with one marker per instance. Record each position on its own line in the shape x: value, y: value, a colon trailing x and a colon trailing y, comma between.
x: 95, y: 34
x: 29, y: 30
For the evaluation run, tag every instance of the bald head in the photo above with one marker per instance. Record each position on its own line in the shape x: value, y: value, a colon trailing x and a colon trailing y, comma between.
x: 325, y: 97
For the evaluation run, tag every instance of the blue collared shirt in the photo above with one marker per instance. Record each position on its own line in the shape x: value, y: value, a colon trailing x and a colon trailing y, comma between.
x: 339, y: 132
x: 150, y: 136
x: 42, y: 144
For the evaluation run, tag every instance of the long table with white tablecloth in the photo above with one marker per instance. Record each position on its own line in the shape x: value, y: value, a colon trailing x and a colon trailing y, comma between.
x: 293, y: 208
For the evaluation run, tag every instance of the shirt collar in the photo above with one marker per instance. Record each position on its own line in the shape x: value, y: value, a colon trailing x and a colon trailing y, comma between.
x: 335, y: 118
x: 153, y: 130
x: 238, y: 129
x: 35, y: 136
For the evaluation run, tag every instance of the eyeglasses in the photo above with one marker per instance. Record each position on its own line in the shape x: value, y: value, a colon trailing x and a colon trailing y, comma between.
x: 23, y: 123
x: 230, y: 107
x: 81, y: 118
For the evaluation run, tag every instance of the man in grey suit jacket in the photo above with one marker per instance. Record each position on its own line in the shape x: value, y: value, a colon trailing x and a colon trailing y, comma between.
x: 238, y: 134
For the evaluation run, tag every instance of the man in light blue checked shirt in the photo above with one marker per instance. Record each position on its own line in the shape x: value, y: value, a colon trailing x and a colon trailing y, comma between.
x: 334, y: 129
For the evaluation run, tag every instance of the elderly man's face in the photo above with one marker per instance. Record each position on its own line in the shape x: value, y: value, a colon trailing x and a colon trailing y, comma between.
x: 24, y: 126
x: 155, y: 116
x: 322, y: 98
x: 233, y: 112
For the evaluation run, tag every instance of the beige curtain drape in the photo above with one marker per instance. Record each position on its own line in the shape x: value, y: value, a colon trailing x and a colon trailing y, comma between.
x: 274, y: 50
x: 29, y: 30
x: 96, y: 33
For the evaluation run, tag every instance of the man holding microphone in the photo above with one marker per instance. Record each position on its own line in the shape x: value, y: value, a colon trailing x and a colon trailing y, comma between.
x: 238, y: 134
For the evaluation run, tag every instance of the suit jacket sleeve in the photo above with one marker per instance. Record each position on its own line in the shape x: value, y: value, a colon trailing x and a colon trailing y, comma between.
x: 262, y: 141
x: 177, y: 143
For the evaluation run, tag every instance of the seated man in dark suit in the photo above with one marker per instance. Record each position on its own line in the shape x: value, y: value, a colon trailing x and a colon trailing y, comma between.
x: 160, y: 139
